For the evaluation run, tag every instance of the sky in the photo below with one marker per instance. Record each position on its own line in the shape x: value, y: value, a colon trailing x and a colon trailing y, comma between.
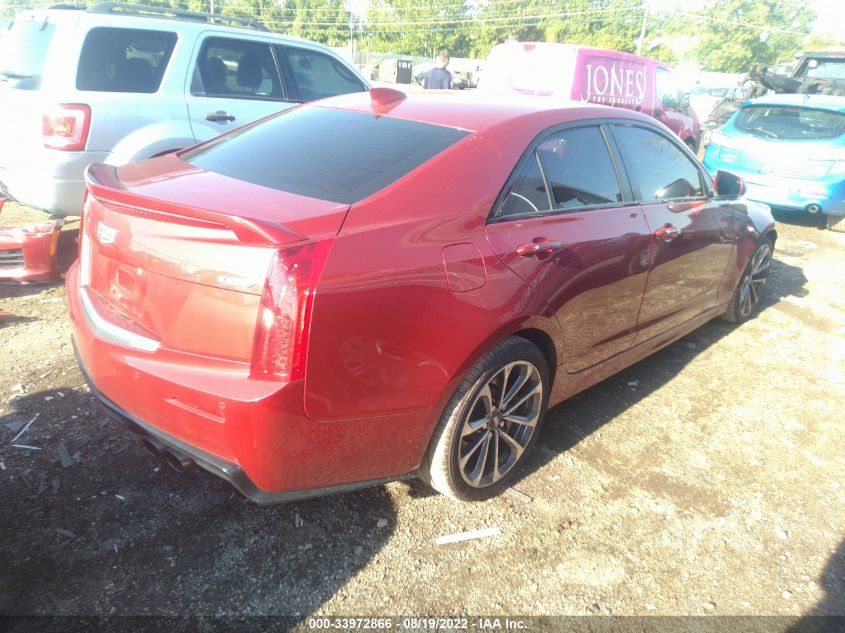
x: 831, y: 17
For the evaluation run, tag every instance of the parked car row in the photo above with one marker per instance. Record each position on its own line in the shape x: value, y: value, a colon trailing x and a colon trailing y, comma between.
x: 387, y: 285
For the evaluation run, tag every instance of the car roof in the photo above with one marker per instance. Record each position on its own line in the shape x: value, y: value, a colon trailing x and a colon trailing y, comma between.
x: 819, y: 102
x: 128, y: 19
x: 472, y: 111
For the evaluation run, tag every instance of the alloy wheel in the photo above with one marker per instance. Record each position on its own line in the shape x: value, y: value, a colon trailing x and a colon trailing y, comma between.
x: 755, y: 279
x: 499, y: 424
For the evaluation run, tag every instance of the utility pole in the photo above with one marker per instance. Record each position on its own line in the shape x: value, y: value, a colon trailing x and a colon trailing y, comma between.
x: 643, y: 27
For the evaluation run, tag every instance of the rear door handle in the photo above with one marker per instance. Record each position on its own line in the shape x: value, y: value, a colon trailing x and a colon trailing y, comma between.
x: 537, y: 248
x: 667, y: 232
x: 220, y: 115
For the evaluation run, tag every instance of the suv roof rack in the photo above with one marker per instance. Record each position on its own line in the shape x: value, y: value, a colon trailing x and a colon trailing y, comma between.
x: 176, y: 14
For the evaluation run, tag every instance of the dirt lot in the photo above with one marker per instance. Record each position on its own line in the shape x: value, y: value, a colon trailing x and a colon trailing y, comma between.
x: 707, y: 479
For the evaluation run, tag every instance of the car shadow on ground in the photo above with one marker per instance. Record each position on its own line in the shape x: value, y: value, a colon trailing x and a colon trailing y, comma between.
x: 580, y: 416
x: 827, y: 614
x: 94, y: 525
x: 800, y: 218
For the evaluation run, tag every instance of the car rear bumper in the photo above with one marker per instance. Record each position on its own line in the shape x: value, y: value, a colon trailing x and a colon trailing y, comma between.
x: 27, y: 254
x: 222, y: 468
x: 252, y: 433
x: 828, y: 193
x: 54, y: 183
x: 793, y: 193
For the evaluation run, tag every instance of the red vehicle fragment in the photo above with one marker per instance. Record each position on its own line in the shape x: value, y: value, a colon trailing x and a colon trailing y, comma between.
x: 28, y: 254
x: 372, y: 288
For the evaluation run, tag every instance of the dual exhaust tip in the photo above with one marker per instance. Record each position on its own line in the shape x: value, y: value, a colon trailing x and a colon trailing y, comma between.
x: 177, y: 460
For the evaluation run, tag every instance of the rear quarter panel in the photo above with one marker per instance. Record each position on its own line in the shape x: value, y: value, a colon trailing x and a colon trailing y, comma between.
x: 388, y: 335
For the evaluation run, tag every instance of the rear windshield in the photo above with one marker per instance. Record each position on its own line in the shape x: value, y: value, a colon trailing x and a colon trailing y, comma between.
x: 23, y: 49
x: 323, y: 153
x: 790, y: 123
x: 124, y: 60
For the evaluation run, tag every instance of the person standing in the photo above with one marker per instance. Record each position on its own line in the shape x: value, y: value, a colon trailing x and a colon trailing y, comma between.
x: 438, y: 78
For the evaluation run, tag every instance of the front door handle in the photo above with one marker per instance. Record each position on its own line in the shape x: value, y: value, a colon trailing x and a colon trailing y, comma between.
x: 218, y: 116
x: 535, y: 248
x: 667, y: 232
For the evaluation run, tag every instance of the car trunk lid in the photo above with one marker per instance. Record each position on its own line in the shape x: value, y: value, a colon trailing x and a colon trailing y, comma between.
x: 175, y: 256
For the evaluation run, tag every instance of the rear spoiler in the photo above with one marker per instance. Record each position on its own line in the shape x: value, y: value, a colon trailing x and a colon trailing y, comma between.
x: 104, y: 184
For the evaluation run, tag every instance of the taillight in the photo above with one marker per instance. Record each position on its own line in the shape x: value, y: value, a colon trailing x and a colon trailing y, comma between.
x: 284, y: 314
x: 66, y: 126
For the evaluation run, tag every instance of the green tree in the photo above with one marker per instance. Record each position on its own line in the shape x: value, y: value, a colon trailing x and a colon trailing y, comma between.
x: 733, y: 35
x: 418, y: 27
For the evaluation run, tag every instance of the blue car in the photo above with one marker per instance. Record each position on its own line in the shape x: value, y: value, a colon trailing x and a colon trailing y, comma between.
x: 789, y: 150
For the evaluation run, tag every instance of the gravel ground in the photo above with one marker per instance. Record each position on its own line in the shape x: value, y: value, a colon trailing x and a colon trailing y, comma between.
x: 707, y: 479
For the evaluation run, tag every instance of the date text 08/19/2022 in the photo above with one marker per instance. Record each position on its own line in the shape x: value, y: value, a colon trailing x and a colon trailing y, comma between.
x: 410, y: 623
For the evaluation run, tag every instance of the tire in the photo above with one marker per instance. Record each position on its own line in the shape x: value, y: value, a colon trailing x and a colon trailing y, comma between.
x: 472, y: 423
x: 751, y: 284
x: 836, y: 223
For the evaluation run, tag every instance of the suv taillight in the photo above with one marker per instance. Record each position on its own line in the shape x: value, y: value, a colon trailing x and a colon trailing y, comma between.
x: 284, y: 314
x: 66, y: 126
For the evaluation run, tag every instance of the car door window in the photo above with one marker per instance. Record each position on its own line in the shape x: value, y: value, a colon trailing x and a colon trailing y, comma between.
x: 568, y: 170
x: 124, y: 60
x: 659, y: 170
x: 236, y: 69
x: 313, y: 75
x: 578, y: 169
x: 667, y: 91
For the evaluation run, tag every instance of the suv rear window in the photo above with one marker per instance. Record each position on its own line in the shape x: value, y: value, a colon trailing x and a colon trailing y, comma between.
x: 790, y: 123
x: 324, y: 153
x: 124, y: 60
x: 23, y: 49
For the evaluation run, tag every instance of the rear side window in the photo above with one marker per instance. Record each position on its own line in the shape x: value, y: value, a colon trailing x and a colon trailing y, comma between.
x: 23, y: 49
x: 324, y: 153
x: 236, y: 69
x: 659, y: 170
x: 568, y: 170
x: 311, y: 75
x: 124, y: 60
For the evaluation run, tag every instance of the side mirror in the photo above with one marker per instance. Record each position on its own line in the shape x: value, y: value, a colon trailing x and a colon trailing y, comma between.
x: 728, y: 185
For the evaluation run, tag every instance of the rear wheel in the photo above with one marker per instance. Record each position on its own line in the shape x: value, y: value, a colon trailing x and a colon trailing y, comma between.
x: 751, y: 285
x: 836, y: 223
x: 490, y: 423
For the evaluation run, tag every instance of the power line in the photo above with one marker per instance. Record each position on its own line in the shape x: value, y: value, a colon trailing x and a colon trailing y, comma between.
x: 470, y: 20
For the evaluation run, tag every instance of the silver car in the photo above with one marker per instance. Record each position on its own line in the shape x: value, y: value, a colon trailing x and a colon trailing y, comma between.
x: 117, y: 83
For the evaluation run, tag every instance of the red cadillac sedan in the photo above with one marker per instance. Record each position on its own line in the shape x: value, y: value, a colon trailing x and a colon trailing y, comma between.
x: 380, y: 286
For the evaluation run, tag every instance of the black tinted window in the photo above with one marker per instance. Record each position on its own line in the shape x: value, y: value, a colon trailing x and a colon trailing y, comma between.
x: 659, y: 169
x: 323, y: 153
x: 311, y: 75
x: 527, y: 193
x: 236, y: 68
x: 578, y: 169
x: 124, y: 60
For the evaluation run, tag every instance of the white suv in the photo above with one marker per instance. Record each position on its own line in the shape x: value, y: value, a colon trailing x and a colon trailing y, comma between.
x: 116, y: 83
